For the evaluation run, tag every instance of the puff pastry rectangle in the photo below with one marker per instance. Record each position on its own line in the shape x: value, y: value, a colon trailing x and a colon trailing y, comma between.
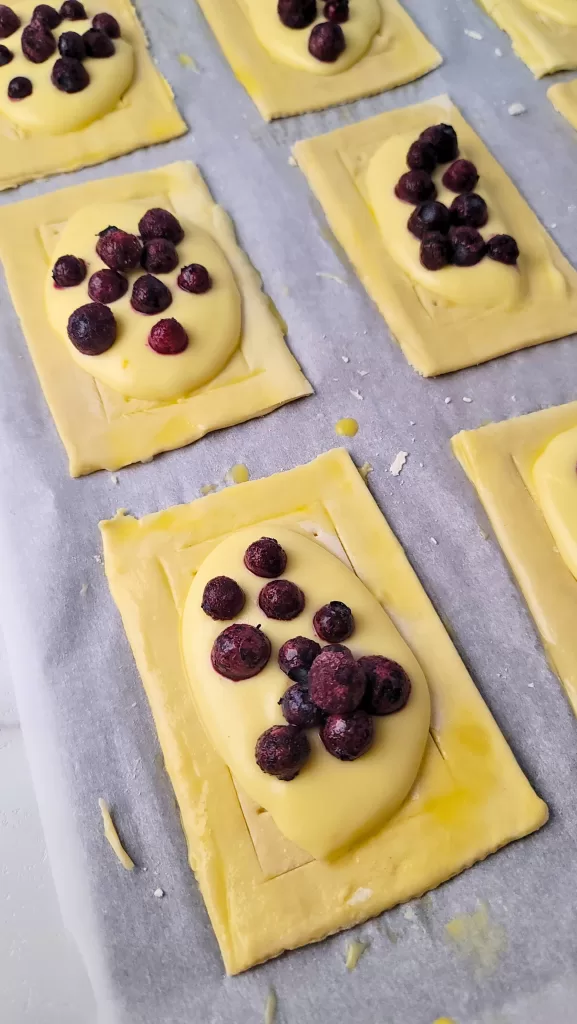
x: 470, y: 798
x: 563, y: 96
x: 435, y: 339
x: 400, y: 53
x: 100, y: 428
x: 498, y: 459
x: 543, y: 43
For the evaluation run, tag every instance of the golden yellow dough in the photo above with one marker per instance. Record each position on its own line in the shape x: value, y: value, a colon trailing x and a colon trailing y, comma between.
x: 100, y: 427
x: 127, y: 104
x: 447, y: 319
x: 263, y: 893
x: 281, y: 77
x: 563, y: 96
x: 522, y: 472
x: 543, y: 32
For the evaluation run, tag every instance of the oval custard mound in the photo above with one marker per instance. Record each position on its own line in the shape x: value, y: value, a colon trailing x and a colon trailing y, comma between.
x: 488, y: 284
x: 331, y: 804
x: 555, y: 482
x: 564, y: 11
x: 212, y: 320
x: 290, y: 45
x: 48, y: 110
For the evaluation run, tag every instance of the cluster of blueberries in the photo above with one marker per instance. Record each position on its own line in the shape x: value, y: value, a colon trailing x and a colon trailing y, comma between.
x: 330, y: 690
x: 448, y: 235
x: 92, y: 327
x: 327, y: 40
x: 38, y: 44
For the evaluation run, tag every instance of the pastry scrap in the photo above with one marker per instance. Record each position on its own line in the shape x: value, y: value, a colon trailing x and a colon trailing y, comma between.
x: 457, y: 263
x: 77, y: 86
x: 329, y: 752
x: 293, y: 56
x: 543, y: 32
x: 524, y: 471
x: 146, y: 322
x: 563, y: 96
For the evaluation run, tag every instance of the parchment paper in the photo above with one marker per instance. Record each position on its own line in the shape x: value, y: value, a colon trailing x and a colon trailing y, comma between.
x: 85, y: 717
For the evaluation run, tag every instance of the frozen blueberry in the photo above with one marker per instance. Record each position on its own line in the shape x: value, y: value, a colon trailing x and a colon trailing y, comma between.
x: 443, y: 138
x: 159, y: 256
x: 19, y: 88
x: 388, y: 685
x: 469, y: 210
x: 106, y: 23
x: 195, y: 278
x: 6, y: 56
x: 38, y: 43
x: 336, y: 682
x: 92, y: 329
x: 415, y: 187
x: 68, y: 271
x: 503, y: 248
x: 436, y: 251
x: 296, y: 657
x: 44, y: 14
x: 340, y: 648
x: 159, y: 223
x: 468, y: 246
x: 149, y: 295
x: 119, y: 249
x: 69, y: 75
x: 222, y: 598
x: 98, y: 44
x: 240, y: 652
x: 282, y: 751
x: 168, y: 338
x: 431, y: 216
x: 334, y: 622
x: 297, y: 13
x: 281, y: 599
x: 73, y: 10
x: 327, y: 42
x: 337, y: 10
x: 348, y: 736
x: 265, y: 558
x: 422, y: 156
x: 298, y: 708
x: 71, y: 44
x: 461, y: 176
x: 107, y: 286
x: 9, y: 21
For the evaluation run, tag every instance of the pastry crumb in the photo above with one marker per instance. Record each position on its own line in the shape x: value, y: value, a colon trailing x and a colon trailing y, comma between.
x: 467, y: 399
x: 83, y: 589
x: 188, y: 62
x: 346, y: 359
x: 448, y: 401
x: 473, y: 34
x: 291, y: 161
x: 331, y: 277
x: 98, y: 558
x: 208, y: 489
x: 434, y: 540
x: 159, y: 893
x: 114, y: 479
x: 365, y: 469
x: 398, y: 463
x: 355, y: 950
x: 356, y: 394
x: 363, y: 373
x: 516, y: 108
x: 498, y: 52
x: 112, y: 836
x: 270, y: 1007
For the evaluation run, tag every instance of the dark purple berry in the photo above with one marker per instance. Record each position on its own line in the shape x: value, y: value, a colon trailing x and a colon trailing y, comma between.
x: 327, y: 42
x: 388, y: 685
x: 159, y: 223
x: 69, y: 75
x: 68, y: 271
x: 19, y: 88
x: 282, y: 750
x: 240, y: 652
x: 159, y: 256
x: 44, y: 14
x: 461, y: 176
x: 297, y: 13
x: 71, y: 44
x: 422, y: 156
x: 469, y: 210
x: 298, y: 708
x: 195, y: 278
x: 265, y: 558
x: 38, y: 43
x: 436, y: 251
x: 222, y: 598
x: 334, y: 622
x: 431, y: 216
x: 337, y: 10
x: 98, y: 44
x: 348, y: 736
x: 336, y: 682
x: 107, y: 286
x: 468, y: 246
x: 340, y: 648
x: 415, y: 187
x: 168, y: 338
x: 9, y: 21
x: 296, y: 657
x: 149, y: 295
x: 92, y: 329
x: 119, y: 249
x: 6, y: 56
x: 73, y: 10
x: 106, y: 23
x: 504, y: 249
x: 443, y: 138
x: 281, y: 599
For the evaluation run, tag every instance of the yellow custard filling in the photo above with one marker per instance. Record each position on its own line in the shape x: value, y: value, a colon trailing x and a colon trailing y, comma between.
x: 290, y: 46
x: 555, y: 482
x: 331, y: 803
x: 564, y: 11
x: 212, y: 320
x: 48, y: 110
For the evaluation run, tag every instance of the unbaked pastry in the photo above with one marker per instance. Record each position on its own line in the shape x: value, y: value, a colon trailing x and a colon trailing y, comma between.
x: 543, y: 32
x: 563, y: 96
